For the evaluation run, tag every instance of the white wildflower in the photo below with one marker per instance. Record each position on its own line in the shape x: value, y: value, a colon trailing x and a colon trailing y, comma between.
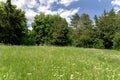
x: 29, y: 74
x: 71, y: 76
x: 118, y: 74
x: 61, y: 75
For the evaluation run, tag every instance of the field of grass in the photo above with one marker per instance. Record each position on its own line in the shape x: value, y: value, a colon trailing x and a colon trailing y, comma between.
x: 58, y: 63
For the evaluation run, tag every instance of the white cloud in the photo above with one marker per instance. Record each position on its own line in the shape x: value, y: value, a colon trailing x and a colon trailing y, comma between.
x: 3, y: 0
x: 66, y: 2
x: 32, y: 4
x: 63, y: 13
x: 47, y: 1
x: 25, y: 3
x: 44, y: 6
x: 67, y: 13
x: 51, y: 12
x: 117, y: 9
x: 30, y: 14
x: 116, y: 4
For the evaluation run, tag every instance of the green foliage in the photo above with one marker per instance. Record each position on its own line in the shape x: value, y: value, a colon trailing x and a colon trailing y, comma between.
x: 42, y: 28
x: 60, y: 31
x: 29, y: 39
x: 54, y: 30
x: 83, y: 34
x: 116, y: 41
x: 98, y: 43
x: 50, y: 29
x: 85, y: 22
x: 71, y: 36
x: 106, y: 26
x: 13, y: 26
x: 75, y: 20
x: 85, y: 41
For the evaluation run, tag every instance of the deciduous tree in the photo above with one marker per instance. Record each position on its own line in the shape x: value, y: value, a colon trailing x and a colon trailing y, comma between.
x: 13, y: 25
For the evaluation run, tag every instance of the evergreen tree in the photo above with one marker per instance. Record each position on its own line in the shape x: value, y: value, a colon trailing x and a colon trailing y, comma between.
x: 96, y: 20
x: 116, y: 41
x: 75, y: 20
x: 106, y: 27
x: 9, y: 2
x: 83, y: 34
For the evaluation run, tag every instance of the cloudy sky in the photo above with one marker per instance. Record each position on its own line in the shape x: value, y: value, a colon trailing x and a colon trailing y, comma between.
x: 66, y: 8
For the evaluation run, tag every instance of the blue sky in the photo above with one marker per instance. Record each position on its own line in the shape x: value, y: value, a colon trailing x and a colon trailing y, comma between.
x: 94, y: 6
x: 91, y: 7
x: 66, y: 8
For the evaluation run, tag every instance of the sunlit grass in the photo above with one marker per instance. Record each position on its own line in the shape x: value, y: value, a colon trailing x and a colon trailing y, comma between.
x: 58, y: 63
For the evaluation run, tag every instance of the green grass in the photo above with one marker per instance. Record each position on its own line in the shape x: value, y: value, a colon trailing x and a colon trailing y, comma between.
x: 58, y: 63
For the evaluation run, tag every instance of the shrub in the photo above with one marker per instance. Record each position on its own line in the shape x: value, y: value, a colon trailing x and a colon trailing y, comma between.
x: 85, y: 41
x: 29, y: 39
x: 98, y: 43
x: 116, y: 41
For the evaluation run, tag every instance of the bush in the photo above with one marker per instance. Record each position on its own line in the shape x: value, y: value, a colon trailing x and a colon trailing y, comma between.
x: 116, y: 41
x: 29, y: 39
x: 85, y: 41
x: 98, y: 43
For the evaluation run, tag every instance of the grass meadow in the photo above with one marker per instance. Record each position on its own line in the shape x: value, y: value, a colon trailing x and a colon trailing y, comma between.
x: 58, y: 63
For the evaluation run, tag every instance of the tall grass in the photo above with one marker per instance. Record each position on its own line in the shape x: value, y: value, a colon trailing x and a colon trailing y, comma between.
x: 58, y: 63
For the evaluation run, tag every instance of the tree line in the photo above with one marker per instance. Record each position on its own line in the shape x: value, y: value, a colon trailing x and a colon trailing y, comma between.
x: 103, y: 32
